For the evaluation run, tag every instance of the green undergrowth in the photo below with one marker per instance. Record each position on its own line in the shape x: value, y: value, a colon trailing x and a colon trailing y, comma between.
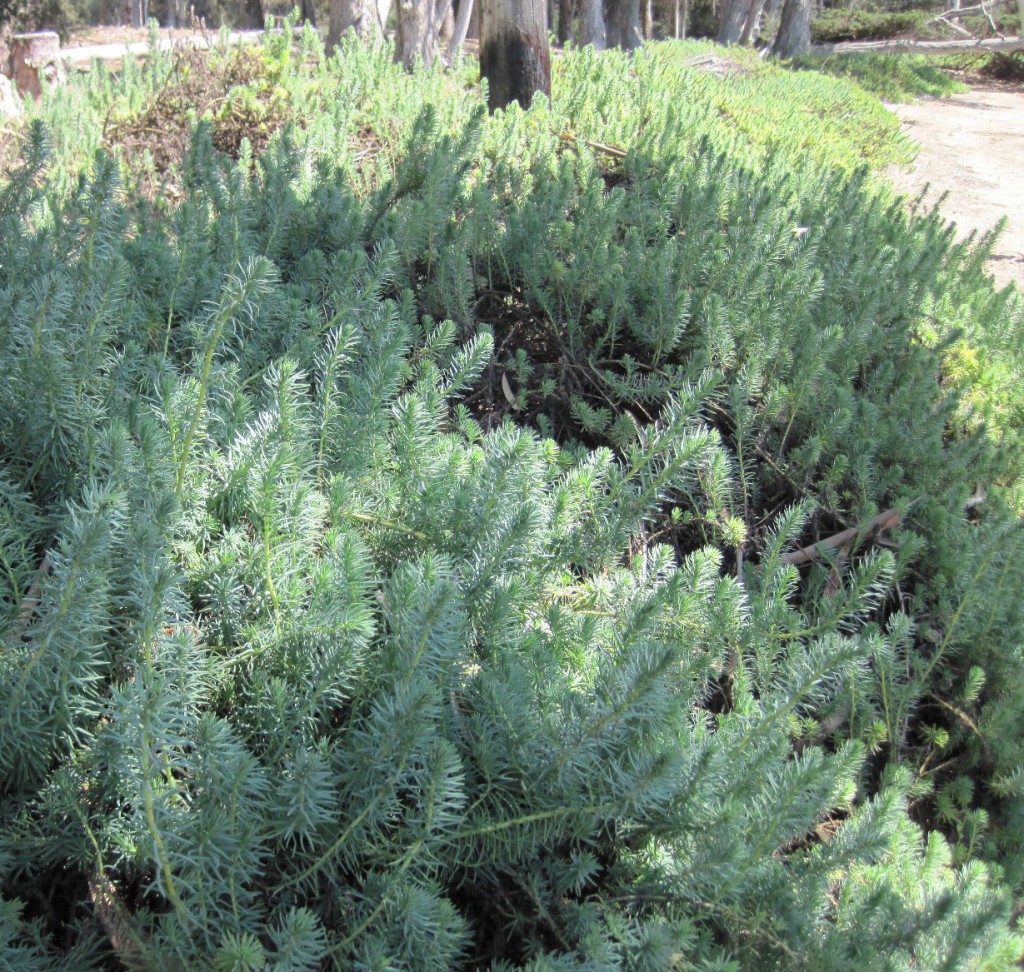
x: 835, y: 25
x: 749, y: 107
x: 891, y: 77
x: 407, y: 538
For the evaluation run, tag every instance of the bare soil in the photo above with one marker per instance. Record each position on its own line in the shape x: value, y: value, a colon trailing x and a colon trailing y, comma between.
x: 972, y: 149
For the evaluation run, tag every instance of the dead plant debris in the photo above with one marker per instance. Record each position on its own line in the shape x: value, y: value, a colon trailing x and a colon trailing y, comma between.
x: 229, y: 90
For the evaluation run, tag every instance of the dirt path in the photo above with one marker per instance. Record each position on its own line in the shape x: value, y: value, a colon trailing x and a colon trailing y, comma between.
x: 972, y: 146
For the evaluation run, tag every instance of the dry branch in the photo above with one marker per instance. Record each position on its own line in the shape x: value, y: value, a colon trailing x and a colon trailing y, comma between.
x: 805, y: 555
x: 920, y: 47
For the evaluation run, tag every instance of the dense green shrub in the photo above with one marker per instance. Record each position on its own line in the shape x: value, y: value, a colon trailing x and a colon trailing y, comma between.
x: 892, y: 77
x: 396, y: 547
x: 834, y: 25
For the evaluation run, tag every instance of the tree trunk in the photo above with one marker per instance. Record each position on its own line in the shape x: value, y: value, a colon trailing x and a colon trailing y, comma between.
x: 622, y: 21
x: 133, y: 13
x: 359, y: 16
x: 769, y: 19
x: 461, y: 26
x: 592, y: 28
x: 753, y: 22
x: 794, y: 36
x: 647, y: 13
x: 445, y: 20
x: 415, y: 32
x: 307, y: 11
x: 514, y: 53
x: 250, y: 15
x: 566, y: 15
x: 473, y: 31
x: 733, y: 20
x: 175, y: 13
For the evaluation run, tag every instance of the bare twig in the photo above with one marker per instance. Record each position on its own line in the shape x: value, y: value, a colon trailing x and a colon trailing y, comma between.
x: 962, y: 31
x: 805, y: 555
x: 964, y: 11
x: 609, y: 150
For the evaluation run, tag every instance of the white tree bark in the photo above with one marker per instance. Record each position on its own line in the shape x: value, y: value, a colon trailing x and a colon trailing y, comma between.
x: 445, y: 20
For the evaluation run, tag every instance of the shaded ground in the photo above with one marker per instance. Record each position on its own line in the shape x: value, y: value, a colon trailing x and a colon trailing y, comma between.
x: 972, y: 148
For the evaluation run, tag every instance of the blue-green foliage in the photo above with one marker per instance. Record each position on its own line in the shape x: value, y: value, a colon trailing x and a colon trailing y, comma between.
x: 395, y: 565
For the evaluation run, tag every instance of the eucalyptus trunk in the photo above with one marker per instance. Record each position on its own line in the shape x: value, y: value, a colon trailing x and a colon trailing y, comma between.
x: 461, y: 29
x: 592, y: 27
x: 250, y: 15
x: 444, y: 17
x: 622, y: 21
x: 794, y: 36
x: 359, y: 16
x: 733, y: 20
x: 514, y: 53
x: 566, y: 15
x: 416, y: 31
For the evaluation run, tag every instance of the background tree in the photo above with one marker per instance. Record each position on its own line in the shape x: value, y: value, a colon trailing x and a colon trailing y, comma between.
x: 592, y: 24
x: 566, y: 17
x: 250, y: 14
x: 794, y: 36
x: 514, y: 53
x: 622, y: 18
x: 360, y: 16
x: 417, y: 29
x: 735, y: 18
x: 460, y: 31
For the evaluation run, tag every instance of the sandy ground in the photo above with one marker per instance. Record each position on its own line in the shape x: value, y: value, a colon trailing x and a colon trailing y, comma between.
x: 972, y: 147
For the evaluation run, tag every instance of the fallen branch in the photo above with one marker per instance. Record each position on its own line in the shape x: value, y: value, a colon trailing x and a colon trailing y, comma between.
x: 919, y: 47
x: 956, y: 14
x: 806, y: 555
x: 610, y: 150
x: 962, y: 31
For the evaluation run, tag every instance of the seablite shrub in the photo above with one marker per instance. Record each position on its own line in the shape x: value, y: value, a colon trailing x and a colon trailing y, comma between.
x: 317, y: 657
